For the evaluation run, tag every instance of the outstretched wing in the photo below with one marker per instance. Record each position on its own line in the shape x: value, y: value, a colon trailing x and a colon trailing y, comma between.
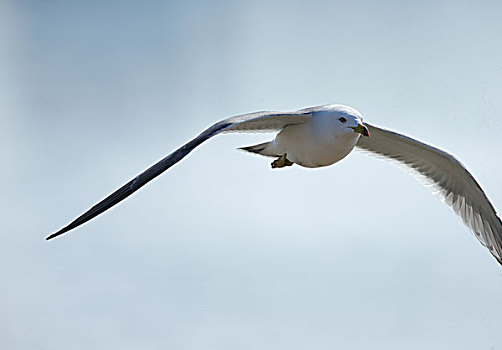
x: 448, y: 177
x: 259, y: 121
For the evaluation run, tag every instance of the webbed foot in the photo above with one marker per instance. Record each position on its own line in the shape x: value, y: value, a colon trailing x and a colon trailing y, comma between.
x: 281, y: 162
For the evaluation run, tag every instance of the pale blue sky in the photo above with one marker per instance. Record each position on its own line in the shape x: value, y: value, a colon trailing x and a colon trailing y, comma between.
x: 222, y: 252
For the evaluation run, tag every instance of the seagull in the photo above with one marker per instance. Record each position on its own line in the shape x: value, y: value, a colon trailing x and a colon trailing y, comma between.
x: 321, y: 136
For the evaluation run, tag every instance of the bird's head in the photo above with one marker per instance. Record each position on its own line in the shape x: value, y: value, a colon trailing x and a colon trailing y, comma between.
x: 347, y: 120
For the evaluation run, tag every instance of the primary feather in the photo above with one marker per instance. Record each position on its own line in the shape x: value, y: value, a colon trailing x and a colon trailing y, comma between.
x: 450, y: 179
x: 258, y: 121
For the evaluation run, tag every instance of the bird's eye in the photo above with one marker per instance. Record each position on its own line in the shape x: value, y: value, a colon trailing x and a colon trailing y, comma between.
x: 342, y: 119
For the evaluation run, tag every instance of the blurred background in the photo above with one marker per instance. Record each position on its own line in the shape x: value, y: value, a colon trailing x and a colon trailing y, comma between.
x: 222, y: 252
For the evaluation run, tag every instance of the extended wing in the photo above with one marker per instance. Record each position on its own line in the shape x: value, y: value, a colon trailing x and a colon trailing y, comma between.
x: 456, y: 186
x: 259, y: 121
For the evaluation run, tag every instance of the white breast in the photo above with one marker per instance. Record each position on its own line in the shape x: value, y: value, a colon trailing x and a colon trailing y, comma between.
x: 315, y: 144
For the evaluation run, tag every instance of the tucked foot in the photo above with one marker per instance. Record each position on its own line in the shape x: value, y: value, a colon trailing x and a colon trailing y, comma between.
x: 281, y: 162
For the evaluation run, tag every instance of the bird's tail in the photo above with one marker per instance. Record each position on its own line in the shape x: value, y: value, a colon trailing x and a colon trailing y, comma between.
x: 263, y: 149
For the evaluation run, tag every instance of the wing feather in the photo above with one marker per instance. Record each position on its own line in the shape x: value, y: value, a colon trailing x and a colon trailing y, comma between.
x: 449, y: 178
x: 259, y: 121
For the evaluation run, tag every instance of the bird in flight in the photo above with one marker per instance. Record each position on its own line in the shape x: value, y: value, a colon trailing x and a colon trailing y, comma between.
x: 323, y: 135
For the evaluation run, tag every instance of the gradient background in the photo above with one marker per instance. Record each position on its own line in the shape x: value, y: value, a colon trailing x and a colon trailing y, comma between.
x: 222, y: 252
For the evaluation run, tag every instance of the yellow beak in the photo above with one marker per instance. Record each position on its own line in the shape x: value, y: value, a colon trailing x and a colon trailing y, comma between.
x: 362, y: 129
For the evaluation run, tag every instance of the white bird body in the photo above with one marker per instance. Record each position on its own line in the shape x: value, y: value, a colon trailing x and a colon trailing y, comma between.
x: 319, y: 142
x: 323, y: 135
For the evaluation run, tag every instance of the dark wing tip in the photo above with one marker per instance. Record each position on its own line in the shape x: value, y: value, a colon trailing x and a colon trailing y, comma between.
x: 60, y: 232
x: 142, y: 179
